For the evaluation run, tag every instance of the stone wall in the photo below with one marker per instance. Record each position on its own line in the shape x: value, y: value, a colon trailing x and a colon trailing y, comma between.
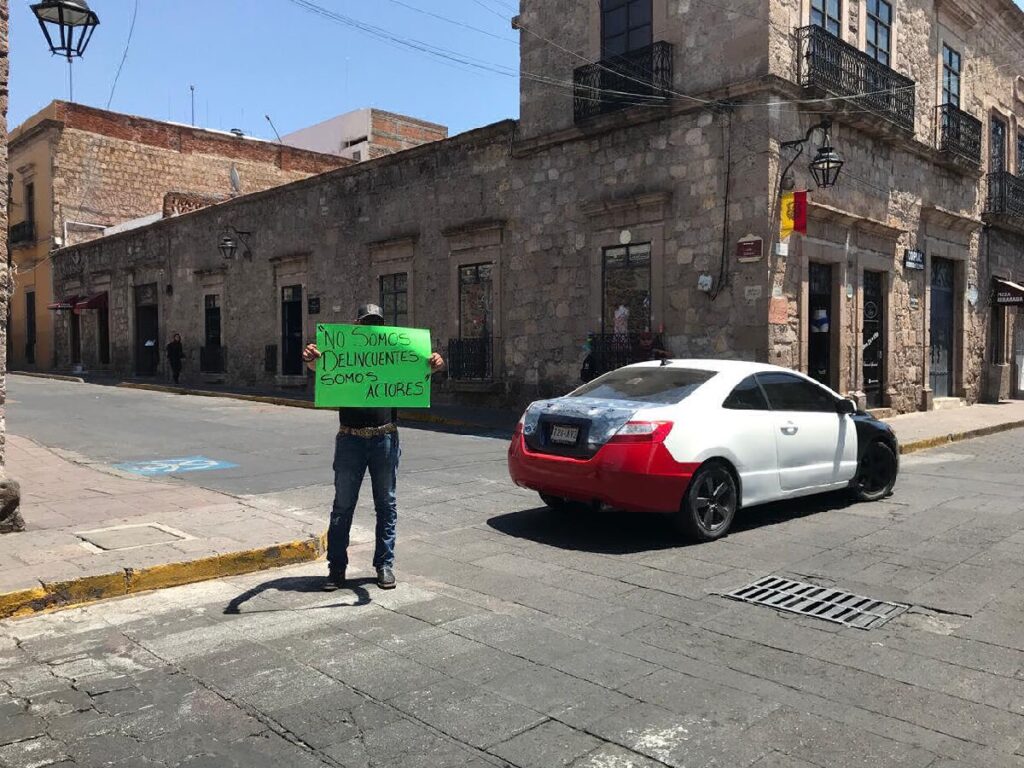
x: 541, y: 213
x: 111, y: 168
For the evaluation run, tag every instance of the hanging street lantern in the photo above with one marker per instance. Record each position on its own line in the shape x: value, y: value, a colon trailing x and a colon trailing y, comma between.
x: 227, y: 247
x: 67, y: 24
x: 827, y: 163
x: 825, y: 166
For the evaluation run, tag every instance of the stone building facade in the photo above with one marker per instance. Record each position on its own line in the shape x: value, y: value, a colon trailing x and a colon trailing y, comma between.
x: 5, y: 274
x: 636, y: 201
x: 76, y: 170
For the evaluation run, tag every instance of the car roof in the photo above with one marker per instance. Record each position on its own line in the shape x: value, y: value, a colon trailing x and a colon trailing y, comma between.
x: 733, y: 367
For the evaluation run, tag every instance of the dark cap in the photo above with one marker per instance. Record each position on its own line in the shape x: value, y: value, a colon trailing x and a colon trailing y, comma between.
x: 368, y: 311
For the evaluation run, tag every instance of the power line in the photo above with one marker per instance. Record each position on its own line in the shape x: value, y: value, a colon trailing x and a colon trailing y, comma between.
x: 456, y: 22
x: 124, y: 56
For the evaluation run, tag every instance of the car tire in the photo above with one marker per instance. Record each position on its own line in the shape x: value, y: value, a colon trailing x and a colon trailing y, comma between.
x: 710, y: 503
x: 557, y: 503
x: 876, y: 473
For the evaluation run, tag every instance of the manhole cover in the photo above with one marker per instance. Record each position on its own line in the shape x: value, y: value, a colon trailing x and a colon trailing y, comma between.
x: 131, y: 536
x: 826, y: 603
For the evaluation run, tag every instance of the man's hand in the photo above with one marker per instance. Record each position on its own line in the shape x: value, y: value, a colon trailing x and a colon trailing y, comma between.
x: 436, y: 362
x: 310, y: 355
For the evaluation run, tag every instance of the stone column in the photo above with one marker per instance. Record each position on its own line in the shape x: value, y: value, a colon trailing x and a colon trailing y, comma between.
x: 10, y: 496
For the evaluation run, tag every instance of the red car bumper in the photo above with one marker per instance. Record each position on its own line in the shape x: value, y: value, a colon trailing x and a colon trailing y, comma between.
x: 637, y: 477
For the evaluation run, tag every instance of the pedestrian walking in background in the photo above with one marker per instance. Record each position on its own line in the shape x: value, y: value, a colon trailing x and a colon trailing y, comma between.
x: 175, y: 354
x: 367, y: 439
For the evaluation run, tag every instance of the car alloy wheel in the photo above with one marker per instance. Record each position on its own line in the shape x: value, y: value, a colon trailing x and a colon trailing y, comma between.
x: 876, y: 474
x: 710, y: 504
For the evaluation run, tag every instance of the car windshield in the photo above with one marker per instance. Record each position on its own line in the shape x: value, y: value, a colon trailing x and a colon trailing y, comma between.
x: 665, y: 385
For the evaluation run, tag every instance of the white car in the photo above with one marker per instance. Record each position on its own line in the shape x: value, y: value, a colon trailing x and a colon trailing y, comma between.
x: 700, y: 439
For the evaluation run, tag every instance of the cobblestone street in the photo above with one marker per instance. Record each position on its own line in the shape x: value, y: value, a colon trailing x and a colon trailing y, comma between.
x: 520, y: 637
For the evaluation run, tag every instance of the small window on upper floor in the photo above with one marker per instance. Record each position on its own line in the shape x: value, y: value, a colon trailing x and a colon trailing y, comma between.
x: 879, y: 31
x: 626, y: 25
x: 827, y: 14
x: 950, y: 76
x: 1020, y: 153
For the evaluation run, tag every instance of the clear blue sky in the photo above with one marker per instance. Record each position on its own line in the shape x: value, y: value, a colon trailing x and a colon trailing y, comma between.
x: 248, y: 58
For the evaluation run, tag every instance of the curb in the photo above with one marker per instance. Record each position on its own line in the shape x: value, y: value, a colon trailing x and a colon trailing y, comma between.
x: 291, y: 402
x: 56, y: 376
x: 956, y: 437
x: 128, y: 581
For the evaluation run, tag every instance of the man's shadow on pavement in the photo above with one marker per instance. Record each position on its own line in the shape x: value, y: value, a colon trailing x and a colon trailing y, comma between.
x: 610, y: 532
x: 302, y: 584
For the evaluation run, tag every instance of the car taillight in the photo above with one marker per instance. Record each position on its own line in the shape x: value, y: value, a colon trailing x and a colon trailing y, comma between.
x: 643, y: 432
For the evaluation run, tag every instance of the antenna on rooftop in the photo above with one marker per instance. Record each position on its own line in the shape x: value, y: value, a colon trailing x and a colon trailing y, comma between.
x: 193, y: 89
x: 279, y: 141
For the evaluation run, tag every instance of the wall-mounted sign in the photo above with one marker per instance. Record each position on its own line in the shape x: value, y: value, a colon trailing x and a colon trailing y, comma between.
x: 1008, y: 293
x: 752, y: 292
x: 914, y: 302
x: 972, y: 295
x: 704, y: 283
x: 913, y: 259
x: 313, y: 305
x: 750, y: 248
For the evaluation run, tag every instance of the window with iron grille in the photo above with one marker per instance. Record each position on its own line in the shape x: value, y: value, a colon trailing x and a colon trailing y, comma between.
x: 950, y: 76
x: 827, y: 14
x: 627, y: 289
x: 625, y: 26
x: 30, y: 202
x: 1020, y: 154
x: 476, y: 284
x: 997, y: 146
x: 394, y: 298
x: 879, y: 31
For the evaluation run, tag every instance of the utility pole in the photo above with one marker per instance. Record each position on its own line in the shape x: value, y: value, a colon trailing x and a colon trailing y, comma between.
x: 193, y: 89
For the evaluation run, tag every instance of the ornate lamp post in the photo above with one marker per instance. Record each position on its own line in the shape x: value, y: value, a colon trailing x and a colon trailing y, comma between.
x: 68, y: 26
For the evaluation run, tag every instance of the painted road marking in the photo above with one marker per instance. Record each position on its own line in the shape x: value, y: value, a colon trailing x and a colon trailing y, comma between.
x: 174, y: 466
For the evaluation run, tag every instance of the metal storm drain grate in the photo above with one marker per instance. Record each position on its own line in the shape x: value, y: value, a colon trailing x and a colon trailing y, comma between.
x: 820, y: 602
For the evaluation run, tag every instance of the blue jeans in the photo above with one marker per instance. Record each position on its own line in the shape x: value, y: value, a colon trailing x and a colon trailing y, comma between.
x: 352, y: 457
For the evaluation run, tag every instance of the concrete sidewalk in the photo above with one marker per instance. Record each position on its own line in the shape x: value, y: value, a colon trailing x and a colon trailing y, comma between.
x: 94, y: 532
x: 927, y: 429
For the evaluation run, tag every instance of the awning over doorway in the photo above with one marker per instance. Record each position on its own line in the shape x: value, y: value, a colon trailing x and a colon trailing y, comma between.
x: 96, y: 301
x: 1007, y: 293
x: 65, y: 304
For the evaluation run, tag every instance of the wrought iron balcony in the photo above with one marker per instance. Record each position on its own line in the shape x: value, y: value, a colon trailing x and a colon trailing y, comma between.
x: 609, y: 351
x: 212, y: 359
x: 23, y: 233
x: 640, y: 77
x: 1005, y: 202
x: 828, y: 65
x: 471, y: 359
x: 959, y: 133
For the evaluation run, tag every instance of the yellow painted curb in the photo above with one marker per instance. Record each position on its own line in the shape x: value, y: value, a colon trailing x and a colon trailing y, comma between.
x: 956, y: 437
x: 89, y: 589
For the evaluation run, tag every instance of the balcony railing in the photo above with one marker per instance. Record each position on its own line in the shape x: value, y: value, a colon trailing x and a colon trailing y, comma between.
x: 23, y: 233
x: 640, y: 77
x: 609, y: 351
x: 212, y: 359
x: 959, y: 133
x: 832, y: 66
x: 471, y: 359
x: 1005, y: 195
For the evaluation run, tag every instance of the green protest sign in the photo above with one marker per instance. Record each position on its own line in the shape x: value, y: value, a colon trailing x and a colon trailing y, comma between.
x: 366, y: 366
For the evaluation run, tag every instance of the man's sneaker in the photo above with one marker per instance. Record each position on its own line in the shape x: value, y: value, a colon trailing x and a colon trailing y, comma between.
x: 385, y: 577
x: 335, y: 580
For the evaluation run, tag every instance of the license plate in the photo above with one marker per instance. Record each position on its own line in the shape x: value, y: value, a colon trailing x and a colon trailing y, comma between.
x: 564, y: 435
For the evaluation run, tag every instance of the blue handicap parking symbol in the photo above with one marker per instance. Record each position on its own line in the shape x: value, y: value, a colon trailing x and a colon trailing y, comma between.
x: 174, y: 466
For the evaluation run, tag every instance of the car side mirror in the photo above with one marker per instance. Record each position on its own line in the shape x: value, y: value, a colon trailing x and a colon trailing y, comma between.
x: 846, y: 406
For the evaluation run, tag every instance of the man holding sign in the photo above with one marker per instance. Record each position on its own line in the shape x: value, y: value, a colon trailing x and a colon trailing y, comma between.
x: 367, y: 371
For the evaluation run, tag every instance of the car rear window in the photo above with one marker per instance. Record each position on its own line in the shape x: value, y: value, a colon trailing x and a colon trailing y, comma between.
x: 649, y: 385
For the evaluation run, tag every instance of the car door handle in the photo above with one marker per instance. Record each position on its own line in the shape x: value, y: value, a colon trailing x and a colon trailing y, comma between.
x: 790, y: 429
